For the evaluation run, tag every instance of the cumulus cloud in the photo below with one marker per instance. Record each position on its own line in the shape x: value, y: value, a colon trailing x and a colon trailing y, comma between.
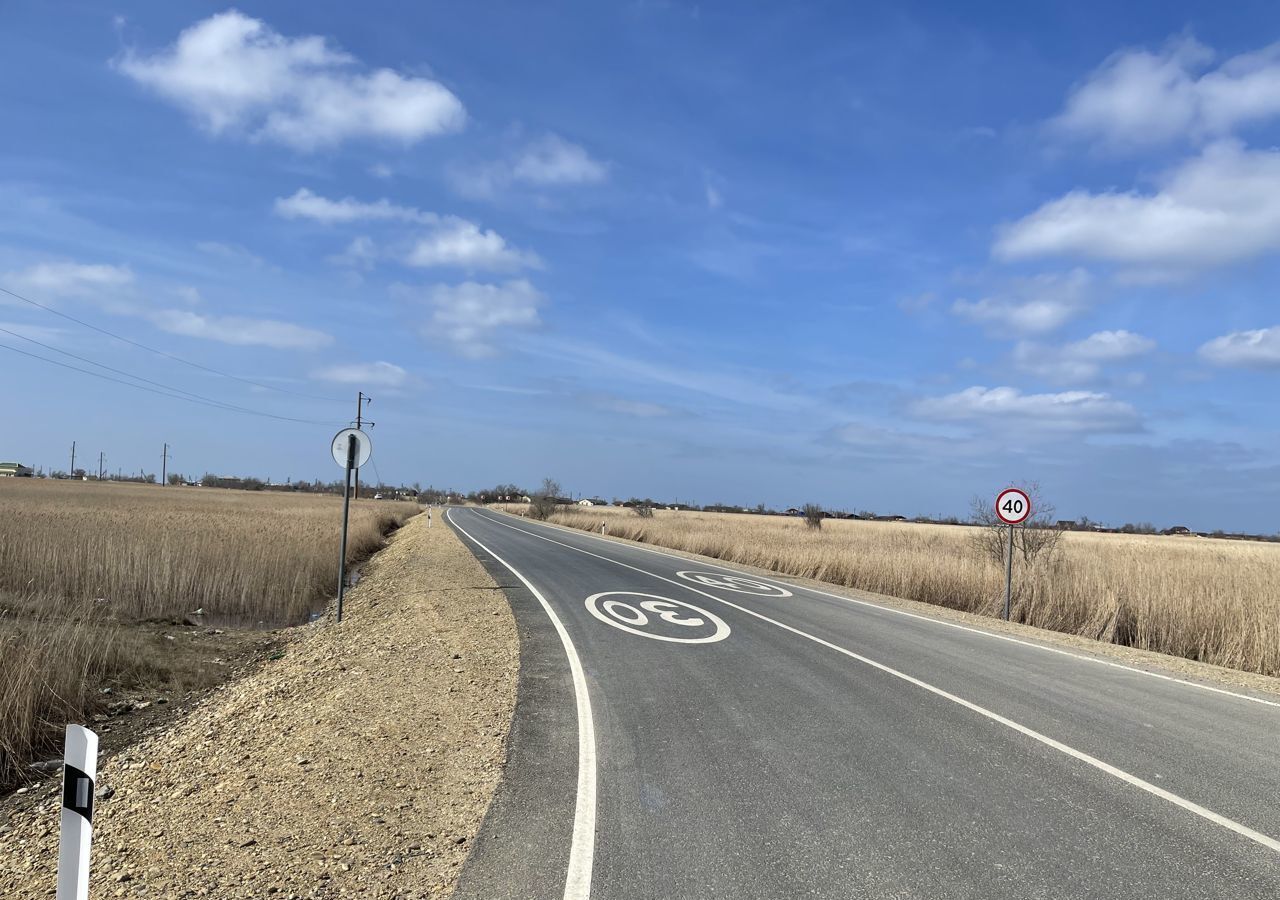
x: 235, y: 75
x: 1258, y: 349
x: 239, y: 330
x: 457, y: 242
x: 550, y: 161
x: 70, y: 279
x: 1219, y: 207
x: 1027, y: 306
x: 1081, y: 360
x: 1137, y: 98
x: 376, y: 374
x: 306, y: 204
x: 1008, y: 409
x: 471, y: 316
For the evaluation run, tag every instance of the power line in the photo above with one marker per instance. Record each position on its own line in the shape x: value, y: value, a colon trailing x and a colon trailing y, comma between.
x: 163, y: 393
x: 162, y: 386
x: 185, y: 362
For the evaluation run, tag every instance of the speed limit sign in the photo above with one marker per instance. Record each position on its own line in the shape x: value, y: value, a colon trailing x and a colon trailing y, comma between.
x: 1013, y: 506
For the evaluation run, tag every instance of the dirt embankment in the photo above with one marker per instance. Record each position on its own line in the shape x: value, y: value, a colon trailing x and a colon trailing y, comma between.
x: 360, y: 763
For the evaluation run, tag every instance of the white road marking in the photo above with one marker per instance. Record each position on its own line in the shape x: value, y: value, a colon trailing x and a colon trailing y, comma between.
x: 582, y: 847
x: 624, y: 616
x: 737, y: 583
x: 1203, y: 812
x: 943, y: 622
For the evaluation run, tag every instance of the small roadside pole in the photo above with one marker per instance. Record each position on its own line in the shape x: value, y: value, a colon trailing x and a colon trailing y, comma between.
x: 1013, y: 507
x: 79, y: 769
x: 351, y: 449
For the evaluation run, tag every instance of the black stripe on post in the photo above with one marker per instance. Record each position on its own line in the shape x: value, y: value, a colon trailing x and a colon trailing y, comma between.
x: 77, y: 792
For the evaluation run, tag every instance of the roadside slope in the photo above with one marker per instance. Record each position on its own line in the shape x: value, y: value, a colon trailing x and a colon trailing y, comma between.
x: 359, y: 763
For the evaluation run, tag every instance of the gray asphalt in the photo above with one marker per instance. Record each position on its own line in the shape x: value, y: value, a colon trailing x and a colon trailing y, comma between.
x: 768, y: 764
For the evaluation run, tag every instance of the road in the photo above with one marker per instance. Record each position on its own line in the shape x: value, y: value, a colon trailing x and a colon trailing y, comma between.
x: 683, y: 731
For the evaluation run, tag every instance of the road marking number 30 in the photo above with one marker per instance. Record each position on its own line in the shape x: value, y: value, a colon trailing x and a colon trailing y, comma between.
x: 737, y: 583
x: 659, y: 618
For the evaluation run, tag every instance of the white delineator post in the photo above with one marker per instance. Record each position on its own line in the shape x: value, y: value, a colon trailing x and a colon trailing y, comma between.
x: 80, y: 768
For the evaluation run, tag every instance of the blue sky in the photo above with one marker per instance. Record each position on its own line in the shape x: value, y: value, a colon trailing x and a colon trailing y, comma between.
x: 878, y: 257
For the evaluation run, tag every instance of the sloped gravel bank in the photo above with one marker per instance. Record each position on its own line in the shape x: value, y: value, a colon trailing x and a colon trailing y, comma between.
x: 360, y: 763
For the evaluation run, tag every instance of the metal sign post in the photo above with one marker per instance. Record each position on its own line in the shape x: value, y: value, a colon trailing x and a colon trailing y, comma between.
x: 351, y: 449
x: 1013, y: 507
x: 79, y: 769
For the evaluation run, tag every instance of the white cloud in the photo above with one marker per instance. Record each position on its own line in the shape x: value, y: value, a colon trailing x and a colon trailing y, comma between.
x: 469, y: 316
x: 233, y: 253
x: 1035, y: 305
x: 553, y: 160
x: 239, y: 331
x: 375, y: 374
x: 1219, y: 207
x: 715, y: 199
x: 1259, y: 349
x: 361, y: 253
x: 305, y: 204
x: 457, y: 242
x: 381, y: 170
x: 70, y: 279
x: 1137, y: 98
x: 1081, y: 360
x: 1007, y: 409
x: 234, y: 74
x: 548, y: 162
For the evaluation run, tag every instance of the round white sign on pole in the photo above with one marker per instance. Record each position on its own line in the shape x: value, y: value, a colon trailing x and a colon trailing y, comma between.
x: 364, y: 447
x: 1013, y: 506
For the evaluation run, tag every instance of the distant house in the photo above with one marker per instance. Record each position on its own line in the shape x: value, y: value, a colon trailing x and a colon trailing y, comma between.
x: 1177, y: 529
x: 15, y: 470
x: 585, y: 503
x: 891, y: 518
x: 792, y: 511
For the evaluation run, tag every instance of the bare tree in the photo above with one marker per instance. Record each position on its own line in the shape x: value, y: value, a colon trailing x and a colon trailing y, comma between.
x: 643, y: 510
x: 1035, y: 540
x: 545, y: 499
x: 813, y: 516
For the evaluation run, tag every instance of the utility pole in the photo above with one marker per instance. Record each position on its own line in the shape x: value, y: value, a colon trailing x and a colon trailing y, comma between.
x: 102, y: 458
x: 361, y: 400
x: 164, y: 466
x: 72, y: 473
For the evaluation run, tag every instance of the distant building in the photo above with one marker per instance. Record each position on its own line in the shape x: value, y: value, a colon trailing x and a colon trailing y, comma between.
x: 585, y: 503
x: 1177, y: 529
x: 15, y: 470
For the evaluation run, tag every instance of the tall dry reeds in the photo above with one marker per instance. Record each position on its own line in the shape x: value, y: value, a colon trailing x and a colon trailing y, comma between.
x: 80, y: 562
x: 153, y: 552
x: 1210, y: 600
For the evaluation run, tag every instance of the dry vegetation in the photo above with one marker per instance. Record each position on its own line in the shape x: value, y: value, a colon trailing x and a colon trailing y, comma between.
x: 81, y: 563
x: 1203, y: 599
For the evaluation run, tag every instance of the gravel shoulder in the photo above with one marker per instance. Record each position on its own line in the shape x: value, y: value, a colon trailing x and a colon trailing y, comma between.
x: 359, y: 763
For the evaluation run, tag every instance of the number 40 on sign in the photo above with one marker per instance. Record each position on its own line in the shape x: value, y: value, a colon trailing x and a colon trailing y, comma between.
x: 1013, y: 506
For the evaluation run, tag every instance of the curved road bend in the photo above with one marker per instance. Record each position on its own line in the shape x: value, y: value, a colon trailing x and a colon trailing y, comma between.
x: 685, y: 732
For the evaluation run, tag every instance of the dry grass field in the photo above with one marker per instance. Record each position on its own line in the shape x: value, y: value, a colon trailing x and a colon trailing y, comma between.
x: 80, y: 563
x: 1210, y: 600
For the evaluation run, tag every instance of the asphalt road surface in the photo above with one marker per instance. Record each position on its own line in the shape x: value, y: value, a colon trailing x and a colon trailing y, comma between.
x: 683, y: 731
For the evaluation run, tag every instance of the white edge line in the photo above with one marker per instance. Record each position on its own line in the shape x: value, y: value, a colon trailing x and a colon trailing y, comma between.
x: 635, y: 545
x: 577, y: 884
x: 1201, y: 811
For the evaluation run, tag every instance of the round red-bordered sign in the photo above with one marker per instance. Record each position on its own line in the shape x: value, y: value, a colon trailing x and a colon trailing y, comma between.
x: 1013, y: 506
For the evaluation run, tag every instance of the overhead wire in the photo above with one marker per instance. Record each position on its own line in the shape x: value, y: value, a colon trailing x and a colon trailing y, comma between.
x: 216, y: 404
x: 166, y: 355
